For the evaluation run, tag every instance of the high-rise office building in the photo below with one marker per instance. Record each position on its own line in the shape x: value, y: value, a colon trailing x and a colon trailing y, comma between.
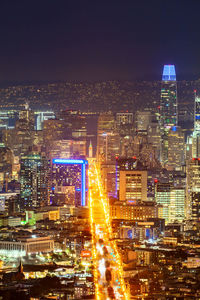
x: 168, y: 103
x: 154, y: 136
x: 34, y: 181
x: 197, y: 115
x: 6, y: 166
x: 193, y: 189
x: 108, y: 141
x: 196, y: 132
x: 124, y: 126
x: 70, y: 175
x: 131, y: 179
x: 132, y: 186
x: 124, y: 118
x: 21, y: 138
x: 143, y: 120
x: 67, y: 148
x: 41, y: 116
x: 189, y: 148
x: 162, y: 197
x: 168, y: 108
x: 176, y: 149
x: 26, y: 116
x: 75, y: 121
x: 130, y: 164
x: 8, y: 119
x: 177, y: 205
x: 108, y: 177
x: 172, y: 202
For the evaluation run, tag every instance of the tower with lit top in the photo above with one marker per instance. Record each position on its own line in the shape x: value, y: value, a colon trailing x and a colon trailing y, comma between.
x: 168, y: 102
x: 168, y: 108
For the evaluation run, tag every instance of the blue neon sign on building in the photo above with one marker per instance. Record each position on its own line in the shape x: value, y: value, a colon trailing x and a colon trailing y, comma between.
x: 83, y: 164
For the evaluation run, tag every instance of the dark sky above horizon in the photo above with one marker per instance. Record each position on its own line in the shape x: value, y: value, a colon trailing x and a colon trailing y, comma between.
x: 98, y: 40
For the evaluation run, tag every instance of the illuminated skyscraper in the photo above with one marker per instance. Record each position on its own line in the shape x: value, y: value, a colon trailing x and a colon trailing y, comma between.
x: 41, y: 116
x: 124, y: 118
x: 143, y: 120
x: 168, y: 107
x: 34, y: 180
x: 197, y: 114
x: 176, y: 149
x: 70, y: 173
x: 21, y: 137
x: 108, y: 141
x: 193, y: 190
x: 131, y: 180
x: 154, y: 137
x: 172, y: 200
x: 196, y: 132
x: 168, y: 103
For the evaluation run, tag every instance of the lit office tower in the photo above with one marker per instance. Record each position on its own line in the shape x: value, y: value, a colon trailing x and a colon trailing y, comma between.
x: 108, y: 142
x: 67, y: 148
x: 193, y: 189
x: 197, y: 114
x: 168, y: 107
x: 177, y: 205
x: 133, y: 186
x: 176, y: 149
x: 172, y: 201
x: 75, y: 121
x: 69, y: 181
x: 8, y: 119
x: 41, y: 116
x: 6, y: 165
x: 196, y: 132
x: 168, y: 103
x: 131, y: 180
x: 21, y: 137
x: 124, y: 123
x: 143, y: 120
x: 154, y: 137
x: 34, y: 181
x: 124, y: 118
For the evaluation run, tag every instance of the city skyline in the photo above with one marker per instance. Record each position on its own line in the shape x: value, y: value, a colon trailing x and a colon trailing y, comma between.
x: 99, y: 150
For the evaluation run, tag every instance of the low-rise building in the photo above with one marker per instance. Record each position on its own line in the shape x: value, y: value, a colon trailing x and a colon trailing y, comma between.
x: 137, y: 211
x: 22, y: 246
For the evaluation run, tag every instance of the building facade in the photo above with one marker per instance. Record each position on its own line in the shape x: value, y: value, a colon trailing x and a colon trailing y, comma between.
x: 70, y: 175
x: 168, y: 108
x: 193, y: 189
x: 34, y: 181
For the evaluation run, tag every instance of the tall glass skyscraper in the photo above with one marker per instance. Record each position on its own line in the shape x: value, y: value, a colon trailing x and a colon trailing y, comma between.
x: 168, y: 107
x: 168, y: 103
x: 34, y: 181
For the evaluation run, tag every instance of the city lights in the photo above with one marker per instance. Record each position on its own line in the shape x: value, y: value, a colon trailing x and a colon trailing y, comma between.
x: 100, y: 150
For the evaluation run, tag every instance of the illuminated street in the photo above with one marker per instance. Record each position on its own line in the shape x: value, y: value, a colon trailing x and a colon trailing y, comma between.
x: 108, y: 271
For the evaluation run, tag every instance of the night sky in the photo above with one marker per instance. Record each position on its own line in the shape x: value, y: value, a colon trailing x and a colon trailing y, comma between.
x: 98, y: 40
